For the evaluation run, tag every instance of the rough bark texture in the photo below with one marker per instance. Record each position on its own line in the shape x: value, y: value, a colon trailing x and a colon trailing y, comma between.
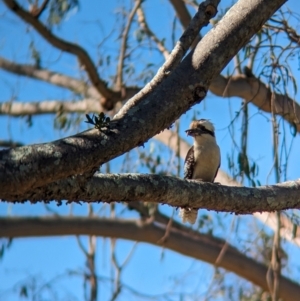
x: 287, y: 230
x: 200, y: 247
x: 29, y: 167
x: 172, y: 191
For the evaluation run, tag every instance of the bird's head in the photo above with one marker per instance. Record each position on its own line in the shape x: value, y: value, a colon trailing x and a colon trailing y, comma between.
x: 201, y: 127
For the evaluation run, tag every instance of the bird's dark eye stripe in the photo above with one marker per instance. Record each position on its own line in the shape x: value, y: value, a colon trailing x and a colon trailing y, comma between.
x: 204, y: 129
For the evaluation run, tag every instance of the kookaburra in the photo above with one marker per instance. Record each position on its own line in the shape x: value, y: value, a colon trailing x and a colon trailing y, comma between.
x: 202, y: 160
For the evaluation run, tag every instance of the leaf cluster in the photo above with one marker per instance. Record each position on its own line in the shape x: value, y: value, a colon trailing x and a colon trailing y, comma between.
x: 100, y: 121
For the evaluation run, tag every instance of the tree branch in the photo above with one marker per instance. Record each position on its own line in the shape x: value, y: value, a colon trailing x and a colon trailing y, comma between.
x: 201, y: 247
x: 37, y: 11
x: 55, y: 78
x: 119, y: 81
x: 183, y: 15
x: 287, y: 231
x: 87, y: 105
x: 134, y: 124
x: 110, y: 97
x: 249, y: 88
x: 168, y: 190
x: 143, y: 24
x: 253, y: 90
x: 9, y: 143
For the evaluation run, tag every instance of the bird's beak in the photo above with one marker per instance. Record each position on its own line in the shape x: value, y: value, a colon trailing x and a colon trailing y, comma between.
x: 193, y: 132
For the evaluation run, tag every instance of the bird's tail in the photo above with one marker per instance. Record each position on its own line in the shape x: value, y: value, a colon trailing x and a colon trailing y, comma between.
x: 188, y: 215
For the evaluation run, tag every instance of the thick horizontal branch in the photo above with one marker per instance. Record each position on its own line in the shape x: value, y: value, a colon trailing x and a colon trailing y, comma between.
x: 201, y: 247
x: 109, y: 95
x: 287, y: 230
x: 169, y: 190
x: 37, y: 165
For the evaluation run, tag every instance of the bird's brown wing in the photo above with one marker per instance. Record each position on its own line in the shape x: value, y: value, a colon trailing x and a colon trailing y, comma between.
x: 189, y: 164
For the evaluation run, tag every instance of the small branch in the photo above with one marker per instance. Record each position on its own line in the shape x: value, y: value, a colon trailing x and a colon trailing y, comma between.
x: 184, y: 16
x: 207, y: 10
x: 143, y: 24
x: 50, y: 107
x: 55, y: 78
x: 276, y: 261
x: 182, y: 12
x: 249, y: 88
x: 119, y: 81
x: 9, y: 143
x: 110, y: 97
x: 37, y: 11
x: 290, y: 31
x: 118, y: 269
x: 253, y: 90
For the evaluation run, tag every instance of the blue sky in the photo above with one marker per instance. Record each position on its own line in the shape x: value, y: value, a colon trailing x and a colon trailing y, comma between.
x: 151, y: 270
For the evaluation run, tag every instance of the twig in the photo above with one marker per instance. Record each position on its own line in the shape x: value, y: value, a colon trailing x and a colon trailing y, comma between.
x: 37, y: 11
x: 207, y: 10
x: 119, y: 81
x: 110, y: 97
x: 55, y: 78
x: 142, y: 20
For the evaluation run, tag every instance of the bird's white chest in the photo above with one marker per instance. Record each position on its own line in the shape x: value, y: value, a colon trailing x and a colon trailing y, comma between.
x: 207, y: 160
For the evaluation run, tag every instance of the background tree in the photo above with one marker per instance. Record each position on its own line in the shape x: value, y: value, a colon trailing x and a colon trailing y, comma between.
x: 86, y: 58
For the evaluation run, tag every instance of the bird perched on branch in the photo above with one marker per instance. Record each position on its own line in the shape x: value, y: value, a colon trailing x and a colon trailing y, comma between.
x: 202, y: 160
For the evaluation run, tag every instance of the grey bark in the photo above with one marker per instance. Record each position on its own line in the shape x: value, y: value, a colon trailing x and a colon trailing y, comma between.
x: 23, y: 169
x: 169, y: 190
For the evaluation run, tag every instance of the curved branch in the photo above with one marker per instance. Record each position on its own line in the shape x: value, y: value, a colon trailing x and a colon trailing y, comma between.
x: 119, y: 81
x: 201, y: 247
x: 37, y: 11
x: 55, y: 78
x: 207, y: 10
x: 168, y: 190
x: 142, y: 21
x: 253, y: 90
x: 110, y: 96
x: 134, y: 124
x: 249, y: 88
